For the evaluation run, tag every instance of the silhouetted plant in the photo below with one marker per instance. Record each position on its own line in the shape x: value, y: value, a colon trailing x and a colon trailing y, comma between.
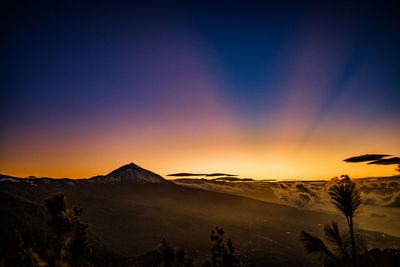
x: 314, y: 244
x: 376, y: 257
x: 69, y: 233
x: 223, y: 254
x: 28, y: 257
x: 334, y: 236
x: 169, y: 256
x: 346, y: 198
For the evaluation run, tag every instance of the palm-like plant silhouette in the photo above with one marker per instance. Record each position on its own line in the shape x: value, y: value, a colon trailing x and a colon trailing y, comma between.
x: 334, y: 236
x: 346, y: 198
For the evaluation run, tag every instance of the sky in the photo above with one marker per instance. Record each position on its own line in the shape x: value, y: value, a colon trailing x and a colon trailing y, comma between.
x: 262, y: 90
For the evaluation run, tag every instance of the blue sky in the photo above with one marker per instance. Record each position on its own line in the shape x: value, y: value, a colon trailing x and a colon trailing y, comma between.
x: 109, y: 76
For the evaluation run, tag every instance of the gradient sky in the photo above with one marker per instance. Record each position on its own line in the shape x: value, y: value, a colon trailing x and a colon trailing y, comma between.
x: 259, y: 90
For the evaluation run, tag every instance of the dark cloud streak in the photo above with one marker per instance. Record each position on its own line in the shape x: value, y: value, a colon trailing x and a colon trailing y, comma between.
x: 366, y: 157
x: 389, y: 161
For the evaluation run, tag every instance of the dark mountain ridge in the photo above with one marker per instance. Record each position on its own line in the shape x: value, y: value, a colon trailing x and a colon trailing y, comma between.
x: 129, y: 173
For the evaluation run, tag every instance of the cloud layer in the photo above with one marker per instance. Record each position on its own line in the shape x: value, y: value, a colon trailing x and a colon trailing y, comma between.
x: 186, y: 174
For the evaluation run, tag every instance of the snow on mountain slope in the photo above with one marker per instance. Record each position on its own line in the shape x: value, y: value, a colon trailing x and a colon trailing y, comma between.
x: 130, y: 173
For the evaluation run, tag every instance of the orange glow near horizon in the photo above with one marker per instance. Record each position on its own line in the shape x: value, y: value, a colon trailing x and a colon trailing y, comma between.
x: 200, y: 132
x: 170, y: 100
x: 269, y: 156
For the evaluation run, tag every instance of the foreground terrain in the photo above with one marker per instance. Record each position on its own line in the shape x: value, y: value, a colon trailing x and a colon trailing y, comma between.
x: 129, y: 210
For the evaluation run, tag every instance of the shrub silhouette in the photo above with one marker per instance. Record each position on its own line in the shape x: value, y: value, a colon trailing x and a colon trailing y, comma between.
x: 223, y: 254
x: 63, y: 241
x: 376, y: 257
x: 69, y: 234
x: 169, y: 256
x: 27, y: 255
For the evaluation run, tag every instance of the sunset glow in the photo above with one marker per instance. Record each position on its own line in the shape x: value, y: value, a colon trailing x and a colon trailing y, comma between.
x: 280, y: 94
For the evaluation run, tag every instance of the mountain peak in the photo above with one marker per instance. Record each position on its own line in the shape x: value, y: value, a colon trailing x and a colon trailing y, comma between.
x: 131, y: 173
x: 131, y: 165
x: 127, y: 166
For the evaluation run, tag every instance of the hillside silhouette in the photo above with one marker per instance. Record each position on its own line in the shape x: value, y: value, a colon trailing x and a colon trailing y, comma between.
x: 126, y: 220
